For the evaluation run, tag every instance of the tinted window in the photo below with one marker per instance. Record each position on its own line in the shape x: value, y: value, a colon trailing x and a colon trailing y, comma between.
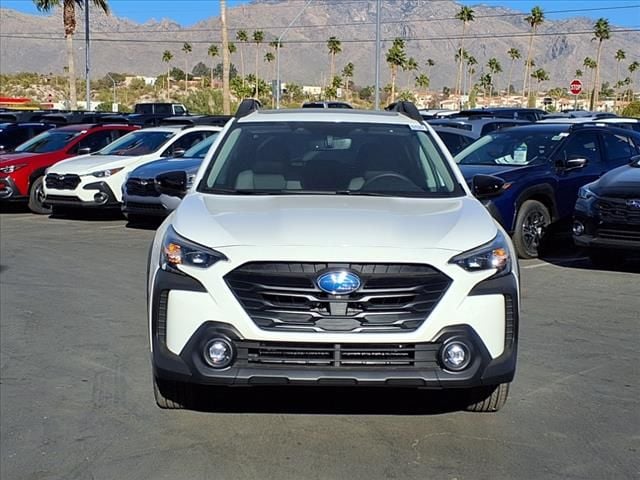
x: 617, y: 147
x: 329, y: 158
x: 178, y: 109
x: 136, y: 143
x: 581, y: 145
x: 199, y: 150
x: 95, y: 141
x: 187, y: 141
x: 513, y: 146
x: 455, y: 143
x: 48, y: 141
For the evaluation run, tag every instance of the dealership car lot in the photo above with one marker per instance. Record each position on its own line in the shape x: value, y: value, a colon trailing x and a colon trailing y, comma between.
x: 76, y: 400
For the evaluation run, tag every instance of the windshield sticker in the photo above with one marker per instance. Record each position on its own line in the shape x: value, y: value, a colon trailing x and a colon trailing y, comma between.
x: 520, y: 154
x: 418, y: 126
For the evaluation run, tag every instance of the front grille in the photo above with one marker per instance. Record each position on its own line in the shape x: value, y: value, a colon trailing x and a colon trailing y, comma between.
x: 618, y: 211
x: 141, y: 187
x: 338, y: 355
x: 148, y: 208
x: 622, y: 232
x: 284, y: 296
x: 62, y: 182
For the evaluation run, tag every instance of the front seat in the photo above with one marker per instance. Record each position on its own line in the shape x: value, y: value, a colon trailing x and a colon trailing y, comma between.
x: 267, y: 173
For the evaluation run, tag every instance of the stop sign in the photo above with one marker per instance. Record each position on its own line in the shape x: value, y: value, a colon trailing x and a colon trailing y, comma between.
x: 575, y: 87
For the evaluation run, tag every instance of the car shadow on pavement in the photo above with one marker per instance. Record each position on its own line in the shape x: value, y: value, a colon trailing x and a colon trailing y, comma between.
x: 563, y: 253
x: 86, y: 214
x: 327, y: 400
x: 14, y: 207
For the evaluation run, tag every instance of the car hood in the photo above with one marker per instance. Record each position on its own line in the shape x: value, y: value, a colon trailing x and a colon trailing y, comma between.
x: 150, y: 170
x: 84, y: 164
x: 622, y: 181
x: 469, y: 171
x: 455, y: 224
x: 11, y: 158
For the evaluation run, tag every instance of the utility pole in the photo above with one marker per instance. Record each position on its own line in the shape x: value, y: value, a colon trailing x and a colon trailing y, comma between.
x: 377, y: 104
x: 226, y: 94
x: 278, y: 90
x: 87, y: 54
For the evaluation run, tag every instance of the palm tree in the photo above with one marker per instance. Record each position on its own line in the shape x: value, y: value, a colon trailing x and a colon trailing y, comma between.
x: 212, y: 52
x: 69, y: 22
x: 167, y: 56
x: 258, y: 38
x: 347, y: 73
x: 589, y: 63
x: 270, y: 57
x: 535, y: 19
x: 186, y: 48
x: 620, y: 55
x: 465, y: 15
x: 422, y: 81
x: 514, y: 54
x: 470, y: 70
x: 242, y: 37
x: 579, y: 73
x: 494, y: 68
x: 635, y: 65
x: 485, y: 82
x: 334, y: 46
x: 601, y: 32
x: 396, y: 57
x: 410, y: 66
x: 540, y: 75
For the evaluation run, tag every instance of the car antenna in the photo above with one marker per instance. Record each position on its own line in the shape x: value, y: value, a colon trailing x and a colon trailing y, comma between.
x: 247, y: 106
x: 406, y: 108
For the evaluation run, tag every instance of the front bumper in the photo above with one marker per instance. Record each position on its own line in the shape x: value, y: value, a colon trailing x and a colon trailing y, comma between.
x: 90, y: 195
x: 419, y: 365
x: 598, y: 234
x: 9, y: 190
x: 146, y: 206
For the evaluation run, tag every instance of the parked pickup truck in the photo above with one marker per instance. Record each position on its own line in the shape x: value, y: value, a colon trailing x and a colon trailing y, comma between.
x: 168, y: 109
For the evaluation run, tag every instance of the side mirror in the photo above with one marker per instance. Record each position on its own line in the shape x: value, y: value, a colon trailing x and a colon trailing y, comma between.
x: 486, y: 186
x: 574, y: 163
x: 173, y: 184
x: 84, y: 150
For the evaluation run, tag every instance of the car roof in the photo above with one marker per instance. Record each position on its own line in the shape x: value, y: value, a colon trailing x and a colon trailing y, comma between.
x: 329, y: 115
x: 536, y: 127
x: 78, y: 127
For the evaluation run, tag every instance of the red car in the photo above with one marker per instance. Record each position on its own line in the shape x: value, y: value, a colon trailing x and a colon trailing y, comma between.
x: 22, y: 171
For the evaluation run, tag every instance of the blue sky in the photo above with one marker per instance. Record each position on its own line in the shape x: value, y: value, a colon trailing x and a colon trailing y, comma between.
x: 188, y: 12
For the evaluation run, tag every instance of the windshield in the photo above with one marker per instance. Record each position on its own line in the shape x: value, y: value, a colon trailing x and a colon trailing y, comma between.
x: 137, y: 143
x: 516, y: 147
x: 200, y: 149
x: 49, y: 141
x: 329, y: 158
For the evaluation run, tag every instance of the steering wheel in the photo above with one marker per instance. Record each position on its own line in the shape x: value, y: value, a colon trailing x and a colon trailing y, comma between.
x: 388, y: 176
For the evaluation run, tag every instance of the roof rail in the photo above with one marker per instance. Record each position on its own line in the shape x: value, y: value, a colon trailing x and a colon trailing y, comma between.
x: 247, y: 106
x: 406, y: 108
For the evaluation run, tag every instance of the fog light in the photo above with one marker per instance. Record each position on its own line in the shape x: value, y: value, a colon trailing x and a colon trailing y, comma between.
x: 218, y: 353
x: 100, y: 197
x: 578, y: 228
x: 455, y: 356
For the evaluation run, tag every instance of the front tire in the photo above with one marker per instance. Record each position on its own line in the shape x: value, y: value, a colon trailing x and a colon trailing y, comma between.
x: 172, y: 395
x: 532, y: 222
x: 488, y: 399
x: 36, y: 198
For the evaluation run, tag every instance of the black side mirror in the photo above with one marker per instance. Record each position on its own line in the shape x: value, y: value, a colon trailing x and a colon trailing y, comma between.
x: 84, y: 150
x: 485, y: 186
x: 173, y: 184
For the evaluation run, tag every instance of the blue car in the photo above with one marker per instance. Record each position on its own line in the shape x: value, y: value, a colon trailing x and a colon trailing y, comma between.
x: 142, y: 200
x: 540, y: 168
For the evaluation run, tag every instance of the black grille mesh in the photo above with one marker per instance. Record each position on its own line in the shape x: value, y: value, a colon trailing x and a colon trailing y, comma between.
x: 62, y: 182
x: 284, y: 296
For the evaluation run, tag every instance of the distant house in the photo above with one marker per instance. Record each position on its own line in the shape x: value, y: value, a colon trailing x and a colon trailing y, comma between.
x: 150, y: 81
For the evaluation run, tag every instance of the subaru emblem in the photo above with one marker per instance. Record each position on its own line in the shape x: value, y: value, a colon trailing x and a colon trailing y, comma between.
x: 633, y: 203
x: 338, y: 282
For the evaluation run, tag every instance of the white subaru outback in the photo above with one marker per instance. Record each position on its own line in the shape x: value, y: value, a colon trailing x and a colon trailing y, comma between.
x: 324, y: 247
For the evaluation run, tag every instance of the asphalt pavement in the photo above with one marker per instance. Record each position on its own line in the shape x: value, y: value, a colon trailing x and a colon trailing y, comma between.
x: 76, y: 399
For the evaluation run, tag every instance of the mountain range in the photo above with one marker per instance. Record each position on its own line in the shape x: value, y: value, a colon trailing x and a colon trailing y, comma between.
x: 34, y: 43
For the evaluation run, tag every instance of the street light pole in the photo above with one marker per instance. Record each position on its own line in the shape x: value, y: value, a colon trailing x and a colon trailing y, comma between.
x: 278, y: 51
x: 87, y: 54
x: 377, y: 104
x: 114, y: 90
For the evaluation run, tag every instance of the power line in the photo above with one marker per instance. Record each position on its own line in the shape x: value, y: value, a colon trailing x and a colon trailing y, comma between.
x: 368, y: 40
x: 346, y: 24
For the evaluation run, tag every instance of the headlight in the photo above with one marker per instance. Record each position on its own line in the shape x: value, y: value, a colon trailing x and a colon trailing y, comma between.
x: 177, y: 250
x: 12, y: 168
x: 494, y: 255
x: 585, y: 193
x: 106, y: 173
